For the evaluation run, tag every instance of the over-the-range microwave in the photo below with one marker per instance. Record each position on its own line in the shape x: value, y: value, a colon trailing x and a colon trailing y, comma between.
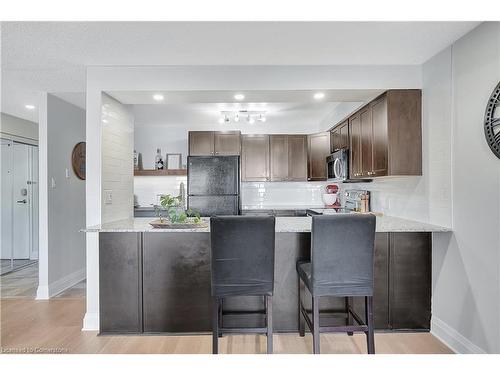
x: 338, y: 167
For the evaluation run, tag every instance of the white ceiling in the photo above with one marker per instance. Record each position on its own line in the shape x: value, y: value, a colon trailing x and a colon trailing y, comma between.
x: 52, y: 56
x: 254, y: 96
x: 280, y: 117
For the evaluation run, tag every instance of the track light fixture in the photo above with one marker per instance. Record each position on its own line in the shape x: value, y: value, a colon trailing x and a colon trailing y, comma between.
x: 235, y: 116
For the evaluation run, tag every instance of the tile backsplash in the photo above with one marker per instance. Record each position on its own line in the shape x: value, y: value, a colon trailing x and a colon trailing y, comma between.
x: 147, y: 189
x: 397, y: 196
x: 255, y: 195
x: 406, y: 197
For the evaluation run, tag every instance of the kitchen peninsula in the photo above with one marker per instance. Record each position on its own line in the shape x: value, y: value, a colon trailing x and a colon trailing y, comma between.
x: 158, y: 280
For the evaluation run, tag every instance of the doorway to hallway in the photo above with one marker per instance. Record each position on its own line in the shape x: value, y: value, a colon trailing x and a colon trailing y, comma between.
x: 19, y: 208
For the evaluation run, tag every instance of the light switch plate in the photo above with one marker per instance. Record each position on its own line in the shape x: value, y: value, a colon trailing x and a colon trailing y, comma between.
x: 67, y: 173
x: 53, y: 182
x: 108, y: 197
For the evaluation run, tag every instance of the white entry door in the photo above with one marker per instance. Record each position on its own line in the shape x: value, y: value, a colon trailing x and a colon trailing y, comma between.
x: 22, y: 201
x: 6, y: 147
x: 33, y: 193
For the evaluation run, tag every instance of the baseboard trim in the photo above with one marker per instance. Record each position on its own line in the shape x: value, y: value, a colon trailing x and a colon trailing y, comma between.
x: 453, y: 339
x: 91, y: 322
x: 66, y: 282
x: 42, y: 292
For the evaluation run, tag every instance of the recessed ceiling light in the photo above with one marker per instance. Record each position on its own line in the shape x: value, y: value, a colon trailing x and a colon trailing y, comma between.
x: 239, y: 96
x: 29, y: 106
x: 158, y: 97
x: 319, y: 95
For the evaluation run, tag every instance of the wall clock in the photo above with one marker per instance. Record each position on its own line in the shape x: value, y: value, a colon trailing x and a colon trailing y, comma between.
x: 492, y: 121
x: 78, y: 160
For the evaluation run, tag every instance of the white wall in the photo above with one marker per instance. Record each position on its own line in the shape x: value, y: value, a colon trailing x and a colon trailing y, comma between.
x: 466, y: 287
x: 17, y: 127
x: 62, y: 263
x: 338, y: 114
x: 174, y: 140
x: 117, y: 160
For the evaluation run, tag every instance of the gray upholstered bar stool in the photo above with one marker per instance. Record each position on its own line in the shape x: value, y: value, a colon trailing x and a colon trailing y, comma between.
x: 341, y: 265
x: 242, y: 264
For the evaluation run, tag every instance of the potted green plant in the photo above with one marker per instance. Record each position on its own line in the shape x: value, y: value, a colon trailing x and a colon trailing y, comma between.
x: 170, y: 213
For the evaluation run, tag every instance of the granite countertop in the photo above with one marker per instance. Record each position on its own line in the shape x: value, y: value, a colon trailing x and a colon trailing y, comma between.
x: 283, y: 225
x: 279, y: 207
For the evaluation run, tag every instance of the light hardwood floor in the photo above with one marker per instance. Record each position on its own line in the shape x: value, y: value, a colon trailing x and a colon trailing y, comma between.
x: 55, y: 326
x: 20, y: 283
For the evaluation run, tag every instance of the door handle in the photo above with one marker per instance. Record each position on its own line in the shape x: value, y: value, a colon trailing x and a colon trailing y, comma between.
x: 22, y: 201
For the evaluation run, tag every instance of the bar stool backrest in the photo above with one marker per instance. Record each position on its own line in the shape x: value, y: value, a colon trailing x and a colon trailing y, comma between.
x: 342, y: 254
x: 242, y: 255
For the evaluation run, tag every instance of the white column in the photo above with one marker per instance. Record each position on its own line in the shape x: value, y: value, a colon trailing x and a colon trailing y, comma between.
x: 93, y: 204
x: 43, y: 207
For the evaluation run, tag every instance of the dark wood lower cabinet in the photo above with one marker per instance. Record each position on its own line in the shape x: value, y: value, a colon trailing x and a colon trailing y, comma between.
x: 403, y: 277
x: 176, y: 282
x: 120, y: 283
x: 160, y: 283
x: 410, y: 280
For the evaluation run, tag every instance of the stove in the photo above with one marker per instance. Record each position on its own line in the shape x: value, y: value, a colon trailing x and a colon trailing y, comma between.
x: 328, y: 211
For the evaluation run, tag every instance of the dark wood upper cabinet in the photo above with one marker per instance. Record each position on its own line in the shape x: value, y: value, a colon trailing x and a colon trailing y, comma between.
x: 227, y: 143
x: 279, y: 157
x: 339, y: 136
x: 255, y: 158
x: 404, y: 132
x: 318, y: 150
x: 379, y: 140
x: 385, y: 136
x: 365, y: 118
x: 207, y: 143
x: 201, y: 143
x: 344, y: 135
x: 334, y: 139
x: 297, y: 157
x: 355, y: 146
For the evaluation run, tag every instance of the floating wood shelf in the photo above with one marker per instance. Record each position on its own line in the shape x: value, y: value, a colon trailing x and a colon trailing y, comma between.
x: 163, y: 172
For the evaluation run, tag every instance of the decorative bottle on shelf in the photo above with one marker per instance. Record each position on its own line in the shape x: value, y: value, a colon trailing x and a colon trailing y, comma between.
x: 158, y: 160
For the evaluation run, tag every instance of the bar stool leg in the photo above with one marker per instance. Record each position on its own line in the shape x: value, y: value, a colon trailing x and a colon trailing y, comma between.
x: 370, y: 338
x: 215, y: 325
x: 221, y: 307
x: 315, y: 333
x: 269, y: 323
x: 349, y: 317
x: 302, y: 323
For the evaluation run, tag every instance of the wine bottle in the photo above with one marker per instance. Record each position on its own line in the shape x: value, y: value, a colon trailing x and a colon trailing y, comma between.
x: 158, y: 160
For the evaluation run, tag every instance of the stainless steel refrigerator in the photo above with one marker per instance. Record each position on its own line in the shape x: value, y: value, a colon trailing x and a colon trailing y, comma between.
x: 214, y: 185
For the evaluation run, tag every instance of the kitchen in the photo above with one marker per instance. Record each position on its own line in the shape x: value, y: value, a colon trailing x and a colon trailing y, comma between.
x: 237, y: 165
x: 309, y: 123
